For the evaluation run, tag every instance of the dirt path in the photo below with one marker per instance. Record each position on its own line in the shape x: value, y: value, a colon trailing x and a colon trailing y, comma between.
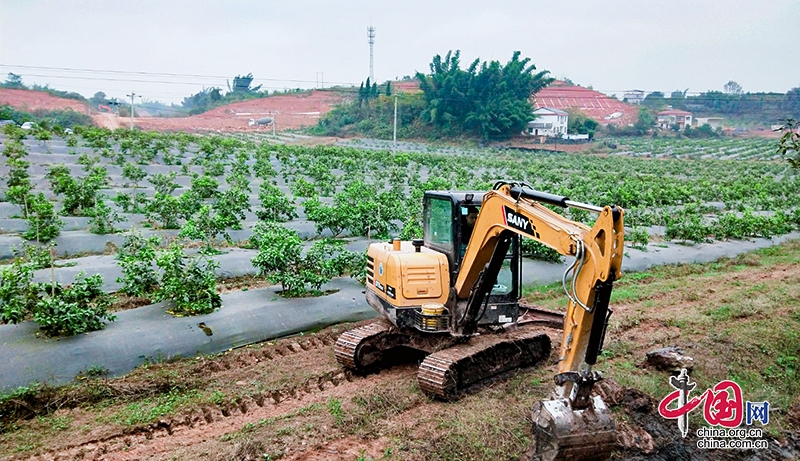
x: 106, y: 120
x: 322, y: 380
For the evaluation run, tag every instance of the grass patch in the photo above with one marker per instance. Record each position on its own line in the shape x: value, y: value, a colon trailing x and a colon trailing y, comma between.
x: 151, y: 410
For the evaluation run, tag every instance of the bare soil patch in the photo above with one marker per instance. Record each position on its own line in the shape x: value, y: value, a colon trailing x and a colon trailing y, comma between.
x: 38, y: 100
x: 292, y: 111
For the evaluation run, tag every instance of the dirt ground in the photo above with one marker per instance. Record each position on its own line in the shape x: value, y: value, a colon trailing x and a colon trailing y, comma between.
x: 35, y: 100
x: 289, y: 399
x: 290, y: 111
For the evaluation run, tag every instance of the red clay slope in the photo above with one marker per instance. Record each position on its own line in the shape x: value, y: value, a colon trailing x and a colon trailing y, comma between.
x: 290, y: 112
x: 35, y: 100
x: 594, y: 104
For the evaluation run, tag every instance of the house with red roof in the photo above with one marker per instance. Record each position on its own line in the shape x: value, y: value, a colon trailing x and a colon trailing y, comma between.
x: 667, y: 118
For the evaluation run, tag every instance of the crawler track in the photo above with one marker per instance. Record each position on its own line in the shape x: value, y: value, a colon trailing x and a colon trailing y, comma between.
x: 448, y: 373
x: 355, y: 350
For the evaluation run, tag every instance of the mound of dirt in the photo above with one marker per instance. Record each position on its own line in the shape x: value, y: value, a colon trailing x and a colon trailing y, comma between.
x: 290, y: 111
x: 37, y: 100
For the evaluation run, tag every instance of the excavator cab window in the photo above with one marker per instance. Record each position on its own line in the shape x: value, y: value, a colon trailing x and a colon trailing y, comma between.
x: 438, y: 221
x: 449, y: 218
x: 469, y: 214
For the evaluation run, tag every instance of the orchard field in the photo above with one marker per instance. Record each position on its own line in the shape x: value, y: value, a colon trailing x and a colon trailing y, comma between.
x: 189, y: 219
x: 149, y: 198
x: 214, y: 188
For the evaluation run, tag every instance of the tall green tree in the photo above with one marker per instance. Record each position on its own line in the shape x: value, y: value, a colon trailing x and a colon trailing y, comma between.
x: 241, y: 84
x: 13, y: 81
x: 485, y: 99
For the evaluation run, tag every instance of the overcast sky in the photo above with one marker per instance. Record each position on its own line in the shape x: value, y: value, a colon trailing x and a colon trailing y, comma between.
x: 167, y: 49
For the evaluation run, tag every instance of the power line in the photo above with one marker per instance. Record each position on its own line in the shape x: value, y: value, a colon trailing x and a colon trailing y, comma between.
x: 159, y: 74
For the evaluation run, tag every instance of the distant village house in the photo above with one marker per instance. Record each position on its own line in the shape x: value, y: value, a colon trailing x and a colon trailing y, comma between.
x: 549, y: 122
x: 633, y: 96
x: 667, y: 118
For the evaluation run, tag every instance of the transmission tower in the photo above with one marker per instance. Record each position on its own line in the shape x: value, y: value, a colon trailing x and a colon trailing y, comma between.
x: 371, y: 35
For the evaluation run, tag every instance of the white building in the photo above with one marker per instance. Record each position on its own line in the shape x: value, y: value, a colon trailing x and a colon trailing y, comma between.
x: 549, y: 122
x: 668, y: 118
x: 634, y: 96
x: 713, y: 122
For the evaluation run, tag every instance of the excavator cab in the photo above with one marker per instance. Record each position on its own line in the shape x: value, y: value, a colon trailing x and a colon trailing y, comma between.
x: 448, y: 221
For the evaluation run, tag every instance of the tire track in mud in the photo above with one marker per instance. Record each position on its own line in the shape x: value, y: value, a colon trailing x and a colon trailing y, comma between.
x: 209, y: 421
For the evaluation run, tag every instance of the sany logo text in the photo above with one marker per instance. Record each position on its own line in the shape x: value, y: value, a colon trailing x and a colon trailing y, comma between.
x: 517, y: 221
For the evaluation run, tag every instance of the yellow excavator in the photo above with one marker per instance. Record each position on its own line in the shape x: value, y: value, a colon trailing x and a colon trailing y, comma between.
x: 454, y: 296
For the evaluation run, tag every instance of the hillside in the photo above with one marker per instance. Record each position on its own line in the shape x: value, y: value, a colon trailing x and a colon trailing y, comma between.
x: 291, y: 111
x: 594, y: 104
x: 29, y: 100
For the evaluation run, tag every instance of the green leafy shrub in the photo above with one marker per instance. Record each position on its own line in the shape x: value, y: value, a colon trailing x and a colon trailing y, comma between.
x: 20, y: 195
x: 135, y: 257
x: 104, y: 219
x: 79, y: 194
x: 43, y: 224
x: 302, y: 188
x: 124, y: 200
x: 189, y: 282
x: 213, y: 168
x: 189, y: 204
x: 688, y: 227
x: 163, y: 183
x: 204, y: 186
x: 133, y: 173
x: 166, y: 209
x: 37, y: 256
x: 74, y: 309
x: 263, y: 167
x: 205, y: 225
x: 231, y: 206
x: 281, y: 260
x: 325, y: 216
x: 275, y: 205
x: 638, y: 237
x: 18, y: 295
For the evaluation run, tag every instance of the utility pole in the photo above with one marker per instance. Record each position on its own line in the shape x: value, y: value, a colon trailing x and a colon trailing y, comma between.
x: 371, y: 35
x: 132, y: 95
x: 394, y: 145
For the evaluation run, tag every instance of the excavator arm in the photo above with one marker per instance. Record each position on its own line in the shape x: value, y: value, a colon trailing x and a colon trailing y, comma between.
x: 574, y: 424
x: 513, y: 209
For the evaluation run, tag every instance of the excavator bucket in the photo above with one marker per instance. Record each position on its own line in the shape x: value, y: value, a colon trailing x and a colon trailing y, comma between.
x: 561, y: 433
